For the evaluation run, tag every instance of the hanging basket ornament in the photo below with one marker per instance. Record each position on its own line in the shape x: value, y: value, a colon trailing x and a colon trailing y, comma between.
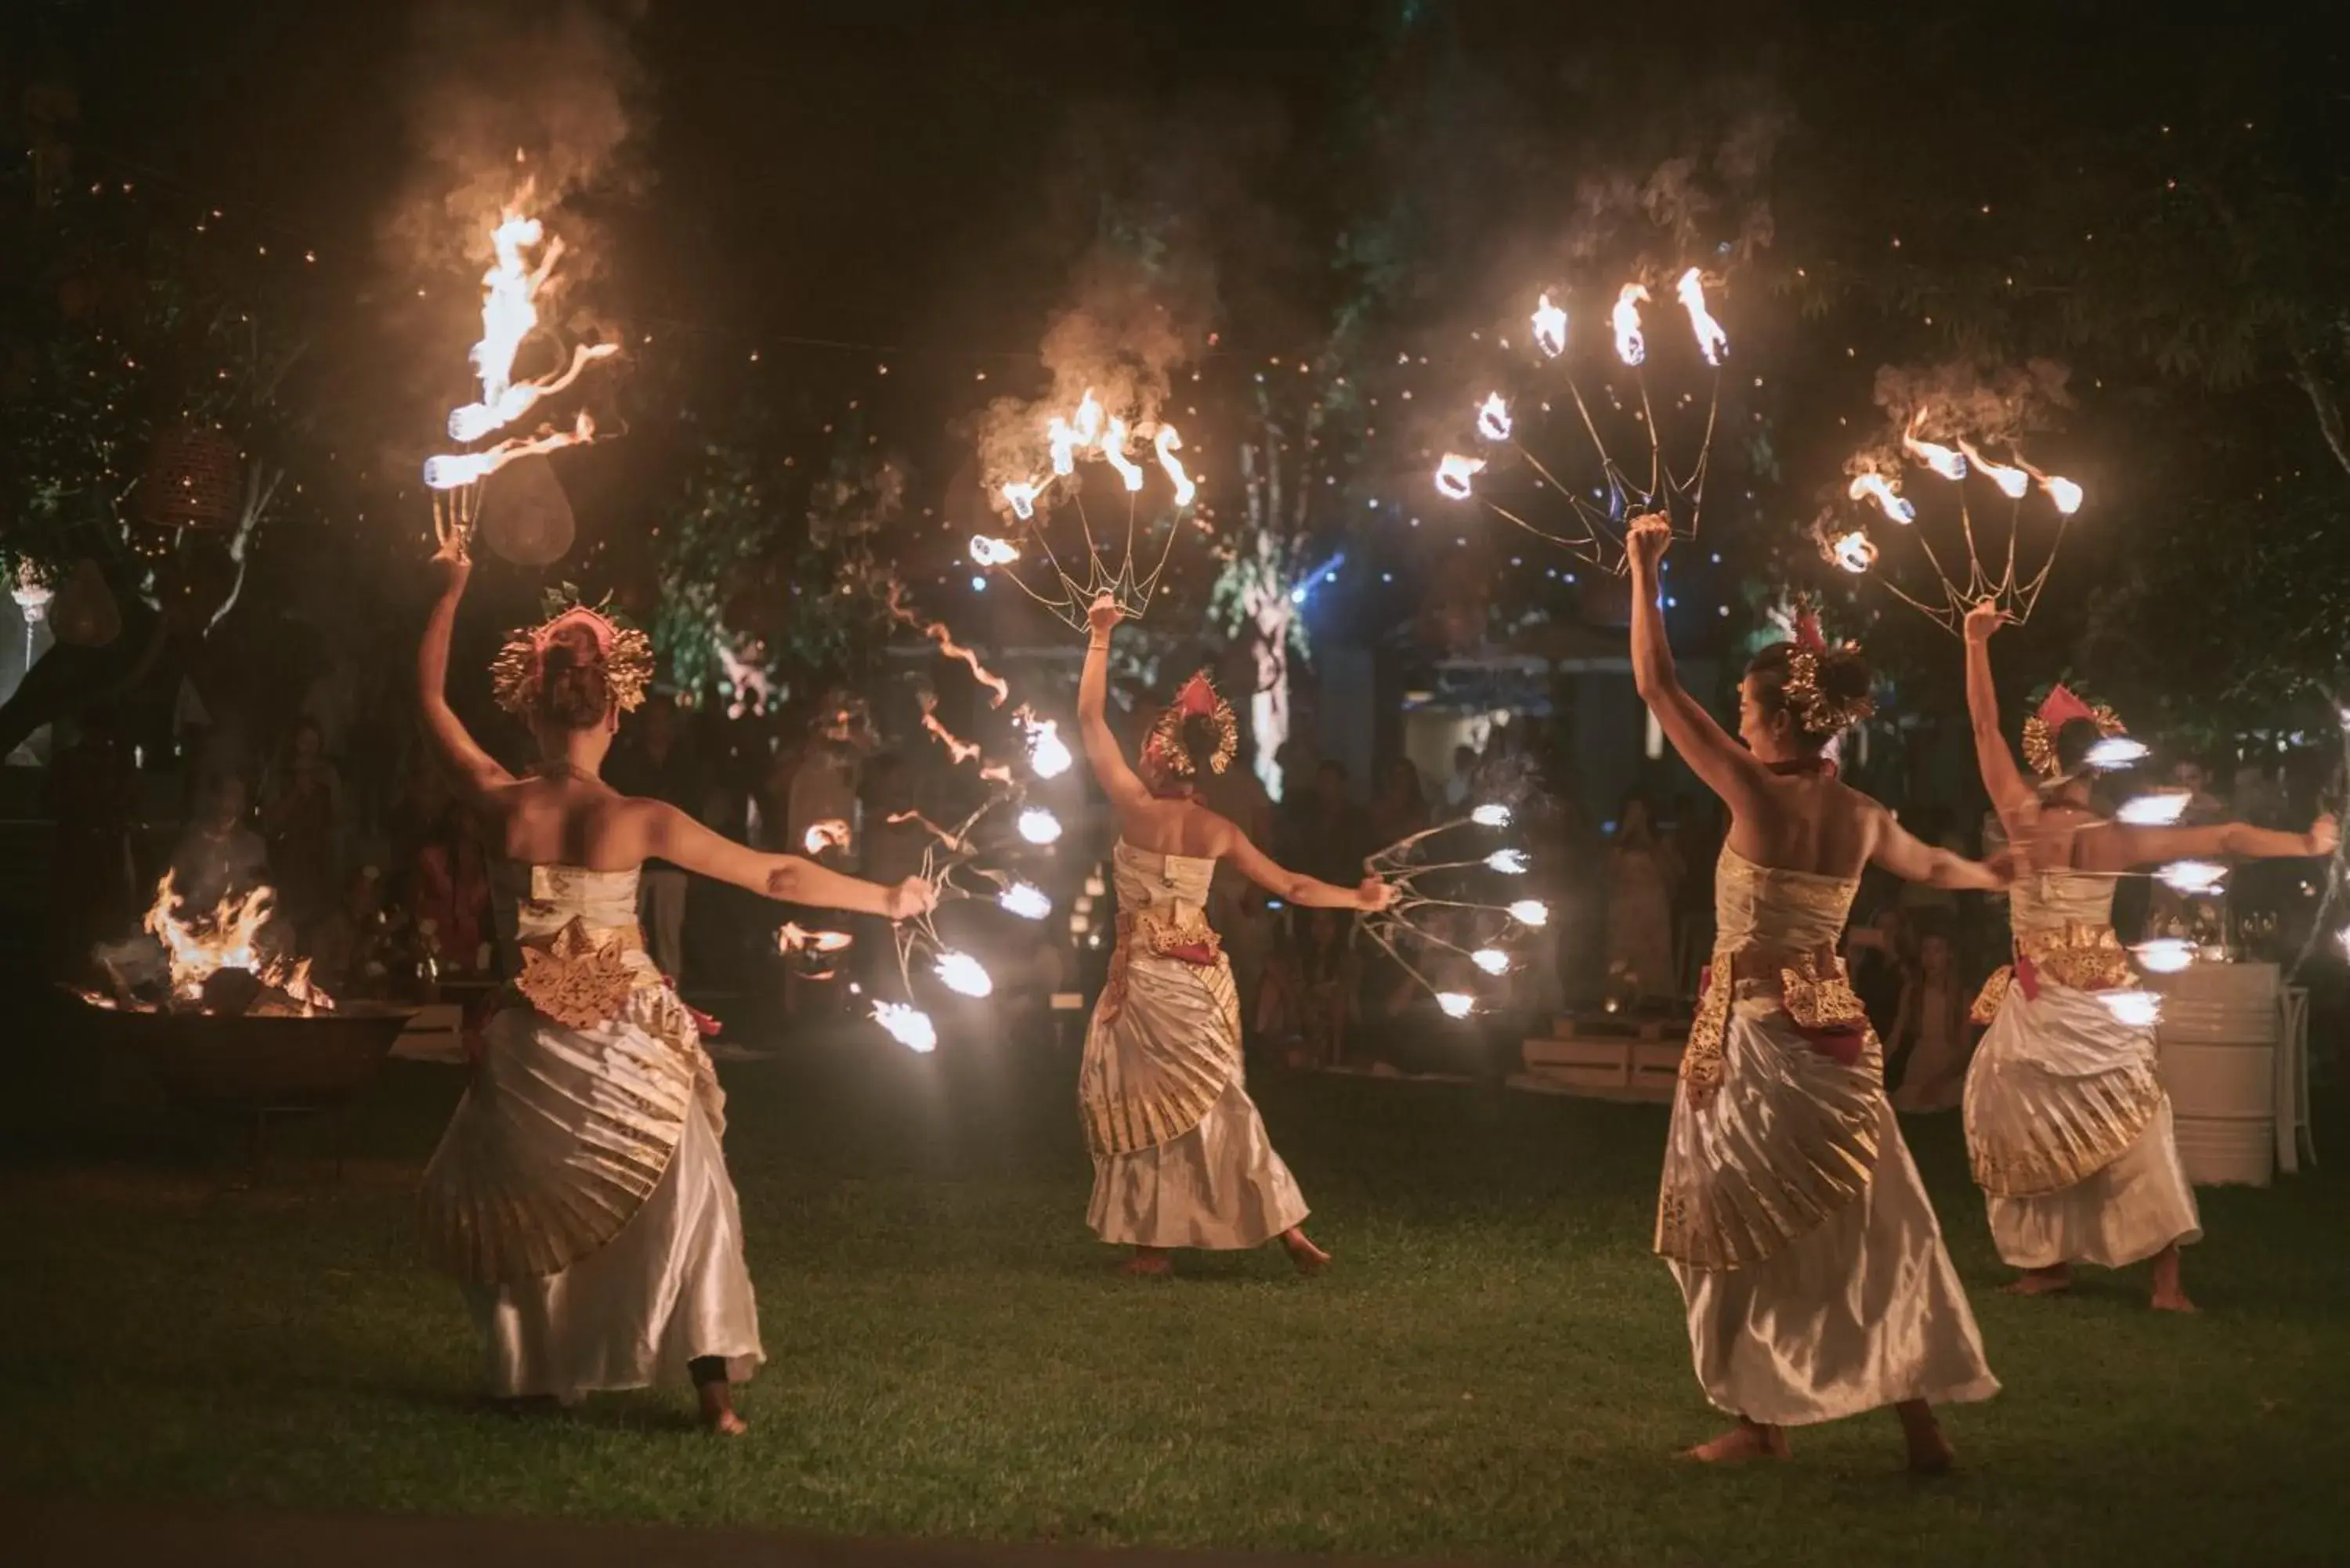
x: 193, y: 480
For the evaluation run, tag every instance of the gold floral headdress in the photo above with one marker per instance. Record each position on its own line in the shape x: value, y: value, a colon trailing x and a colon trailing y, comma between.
x: 2061, y: 707
x: 1198, y: 699
x: 628, y: 653
x: 1815, y: 710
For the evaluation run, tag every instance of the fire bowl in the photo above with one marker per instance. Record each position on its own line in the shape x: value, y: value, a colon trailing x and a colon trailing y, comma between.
x: 208, y: 1061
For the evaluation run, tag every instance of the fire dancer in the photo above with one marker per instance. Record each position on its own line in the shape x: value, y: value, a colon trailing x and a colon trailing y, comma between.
x: 1809, y: 1260
x: 2067, y: 1124
x: 579, y: 1192
x: 1180, y: 1156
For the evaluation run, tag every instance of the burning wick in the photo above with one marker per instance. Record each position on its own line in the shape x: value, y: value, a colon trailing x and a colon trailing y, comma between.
x: 793, y: 940
x: 1063, y: 438
x: 2062, y: 492
x: 2192, y: 877
x: 1167, y: 443
x: 2162, y: 810
x: 908, y: 1027
x: 988, y: 551
x: 1492, y: 961
x: 1047, y: 754
x: 1550, y: 327
x: 1023, y: 496
x: 1027, y: 901
x: 1454, y: 472
x: 2133, y: 1009
x: 1512, y: 861
x: 1711, y: 340
x: 1531, y: 912
x: 1113, y: 447
x: 1854, y: 551
x: 1456, y: 1004
x: 1494, y: 418
x: 2012, y: 482
x: 2114, y: 753
x: 1038, y: 825
x: 963, y: 974
x: 2164, y: 955
x: 1630, y: 346
x: 1886, y: 493
x: 832, y: 833
x: 1939, y: 458
x: 1090, y: 418
x: 1492, y: 813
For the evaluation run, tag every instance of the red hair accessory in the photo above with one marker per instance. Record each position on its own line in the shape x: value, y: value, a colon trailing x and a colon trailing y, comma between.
x: 2061, y: 707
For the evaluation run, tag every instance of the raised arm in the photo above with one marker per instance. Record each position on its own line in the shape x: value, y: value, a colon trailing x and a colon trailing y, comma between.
x: 2010, y: 795
x: 2118, y: 847
x: 1727, y: 767
x: 475, y: 768
x: 1296, y: 888
x: 1117, y: 780
x: 1895, y: 849
x: 670, y: 835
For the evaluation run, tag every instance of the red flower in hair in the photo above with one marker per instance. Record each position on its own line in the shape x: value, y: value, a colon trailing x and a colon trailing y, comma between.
x: 1807, y: 632
x: 2061, y: 707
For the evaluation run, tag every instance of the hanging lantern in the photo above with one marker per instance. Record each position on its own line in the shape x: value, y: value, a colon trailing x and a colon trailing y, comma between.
x: 194, y: 479
x: 84, y: 614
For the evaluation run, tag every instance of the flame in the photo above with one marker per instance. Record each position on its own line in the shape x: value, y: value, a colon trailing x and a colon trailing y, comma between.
x: 832, y: 833
x: 1886, y: 493
x: 1492, y: 961
x: 2066, y: 495
x: 510, y: 291
x: 1023, y: 496
x: 1047, y: 754
x: 1530, y: 912
x: 793, y: 940
x: 1630, y: 346
x: 1027, y: 901
x: 2162, y: 809
x: 1856, y: 551
x: 2114, y: 753
x: 961, y: 750
x: 988, y: 551
x: 953, y: 845
x: 938, y: 632
x: 2013, y: 482
x: 1168, y: 444
x: 1550, y: 327
x: 2192, y: 877
x: 1113, y: 447
x: 1088, y: 423
x: 1454, y: 472
x: 1512, y: 861
x: 2164, y: 955
x: 1065, y: 443
x: 1936, y: 456
x: 1492, y: 813
x: 910, y: 1027
x: 199, y: 948
x: 1038, y: 825
x: 963, y: 974
x: 2133, y: 1009
x: 1711, y: 340
x: 455, y: 470
x: 1494, y: 418
x: 1456, y: 1004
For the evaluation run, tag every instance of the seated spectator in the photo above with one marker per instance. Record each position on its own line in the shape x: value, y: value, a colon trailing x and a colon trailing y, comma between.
x: 218, y: 857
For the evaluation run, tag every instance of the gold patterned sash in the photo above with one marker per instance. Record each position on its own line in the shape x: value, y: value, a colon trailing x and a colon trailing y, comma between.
x: 1158, y: 1057
x: 2078, y: 953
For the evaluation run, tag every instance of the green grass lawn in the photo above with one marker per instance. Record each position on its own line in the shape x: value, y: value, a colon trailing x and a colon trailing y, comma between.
x: 1496, y: 1368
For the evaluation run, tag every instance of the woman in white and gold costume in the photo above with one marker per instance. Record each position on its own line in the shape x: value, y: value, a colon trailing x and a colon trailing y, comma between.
x: 1180, y: 1156
x: 579, y: 1194
x: 2068, y: 1128
x: 1809, y: 1260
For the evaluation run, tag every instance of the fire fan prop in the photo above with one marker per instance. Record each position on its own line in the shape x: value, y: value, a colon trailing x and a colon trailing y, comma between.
x: 1478, y: 930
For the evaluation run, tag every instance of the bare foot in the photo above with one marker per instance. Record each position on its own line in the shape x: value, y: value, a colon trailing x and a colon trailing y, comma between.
x: 1147, y: 1263
x: 2169, y: 1296
x: 2040, y: 1281
x: 1930, y: 1453
x: 1746, y: 1440
x: 718, y: 1416
x: 1308, y: 1258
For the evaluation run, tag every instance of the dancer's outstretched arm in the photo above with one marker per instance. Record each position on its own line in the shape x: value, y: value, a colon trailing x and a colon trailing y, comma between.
x: 665, y: 833
x: 475, y: 768
x: 1309, y: 892
x: 2117, y: 846
x: 1895, y: 849
x: 2010, y: 794
x: 1728, y: 768
x: 1119, y: 781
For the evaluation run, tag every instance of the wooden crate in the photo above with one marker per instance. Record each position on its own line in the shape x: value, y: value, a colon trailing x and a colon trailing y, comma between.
x: 1657, y: 1067
x: 1587, y: 1063
x: 1619, y: 1026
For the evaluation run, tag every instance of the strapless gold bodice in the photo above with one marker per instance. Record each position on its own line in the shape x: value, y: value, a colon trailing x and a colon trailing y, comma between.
x: 1766, y: 907
x: 1147, y: 879
x: 2052, y: 900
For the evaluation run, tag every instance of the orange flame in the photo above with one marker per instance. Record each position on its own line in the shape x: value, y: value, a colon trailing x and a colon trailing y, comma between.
x: 198, y: 950
x: 1711, y: 340
x: 1630, y: 346
x: 938, y: 632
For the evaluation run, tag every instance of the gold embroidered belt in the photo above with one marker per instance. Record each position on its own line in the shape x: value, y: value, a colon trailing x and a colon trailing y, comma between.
x: 1813, y: 991
x: 1182, y: 932
x: 2083, y: 954
x: 580, y: 976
